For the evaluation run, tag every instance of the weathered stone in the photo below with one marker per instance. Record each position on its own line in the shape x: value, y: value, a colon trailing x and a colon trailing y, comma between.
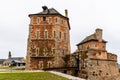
x: 48, y: 40
x: 100, y: 64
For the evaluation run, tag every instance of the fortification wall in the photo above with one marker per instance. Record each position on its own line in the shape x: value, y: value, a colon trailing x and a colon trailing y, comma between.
x: 98, y: 69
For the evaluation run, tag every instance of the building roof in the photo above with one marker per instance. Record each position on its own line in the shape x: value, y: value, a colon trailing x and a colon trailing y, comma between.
x: 50, y: 11
x: 1, y: 61
x: 15, y: 59
x: 90, y: 38
x: 46, y: 11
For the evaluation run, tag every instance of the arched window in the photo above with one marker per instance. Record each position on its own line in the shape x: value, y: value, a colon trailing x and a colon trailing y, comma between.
x: 53, y: 51
x: 45, y: 34
x: 40, y: 64
x: 49, y: 64
x: 37, y: 51
x: 44, y: 18
x: 38, y: 20
x: 45, y: 51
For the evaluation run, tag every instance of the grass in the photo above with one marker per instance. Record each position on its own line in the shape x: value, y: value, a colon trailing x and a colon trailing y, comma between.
x: 30, y: 76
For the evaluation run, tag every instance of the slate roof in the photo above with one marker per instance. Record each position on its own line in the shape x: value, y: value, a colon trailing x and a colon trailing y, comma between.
x: 16, y: 59
x: 46, y: 11
x: 90, y: 38
x: 1, y: 61
x: 50, y: 11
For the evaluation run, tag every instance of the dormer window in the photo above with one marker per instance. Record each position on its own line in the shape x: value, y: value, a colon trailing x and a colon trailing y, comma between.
x: 44, y: 18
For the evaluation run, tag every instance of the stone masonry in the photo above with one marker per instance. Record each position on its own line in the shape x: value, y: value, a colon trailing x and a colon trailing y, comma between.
x: 95, y: 62
x: 48, y: 40
x: 48, y: 47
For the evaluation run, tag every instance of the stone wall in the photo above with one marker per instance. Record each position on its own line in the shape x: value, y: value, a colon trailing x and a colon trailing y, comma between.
x: 100, y: 68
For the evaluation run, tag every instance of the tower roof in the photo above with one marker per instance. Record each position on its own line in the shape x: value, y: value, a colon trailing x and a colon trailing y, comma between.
x: 46, y: 11
x: 50, y: 11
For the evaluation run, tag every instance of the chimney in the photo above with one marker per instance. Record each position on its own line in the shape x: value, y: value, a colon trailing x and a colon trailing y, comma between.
x: 44, y: 8
x: 99, y: 34
x: 66, y: 12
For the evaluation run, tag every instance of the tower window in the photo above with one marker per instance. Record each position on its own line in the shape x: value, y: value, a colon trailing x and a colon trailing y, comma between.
x: 40, y: 64
x: 46, y: 34
x: 44, y: 18
x: 38, y: 34
x: 65, y: 36
x: 38, y: 20
x: 60, y: 34
x: 53, y: 51
x: 56, y: 19
x: 37, y: 51
x: 49, y: 20
x: 54, y: 34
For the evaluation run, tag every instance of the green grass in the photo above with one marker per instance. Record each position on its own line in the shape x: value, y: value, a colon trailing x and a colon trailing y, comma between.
x: 30, y: 76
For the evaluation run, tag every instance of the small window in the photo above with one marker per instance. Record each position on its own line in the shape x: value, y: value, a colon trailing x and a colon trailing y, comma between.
x: 38, y: 34
x: 49, y: 64
x: 41, y: 64
x: 44, y: 18
x: 46, y: 34
x: 107, y: 74
x: 49, y: 20
x: 45, y: 51
x: 60, y: 35
x: 99, y: 53
x: 38, y: 20
x: 56, y: 19
x: 65, y: 36
x: 97, y: 62
x: 54, y: 34
x: 53, y: 51
x: 37, y: 51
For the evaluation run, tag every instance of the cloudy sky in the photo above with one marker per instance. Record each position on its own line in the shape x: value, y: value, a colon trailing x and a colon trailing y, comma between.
x: 85, y: 16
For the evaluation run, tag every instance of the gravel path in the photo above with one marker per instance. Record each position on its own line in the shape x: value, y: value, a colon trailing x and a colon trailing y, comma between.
x: 66, y: 75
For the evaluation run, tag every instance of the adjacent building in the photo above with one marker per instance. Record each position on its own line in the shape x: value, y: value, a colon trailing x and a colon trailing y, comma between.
x: 13, y: 61
x: 95, y: 62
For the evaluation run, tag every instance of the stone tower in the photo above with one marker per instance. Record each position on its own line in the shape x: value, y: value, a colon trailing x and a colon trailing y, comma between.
x: 48, y: 40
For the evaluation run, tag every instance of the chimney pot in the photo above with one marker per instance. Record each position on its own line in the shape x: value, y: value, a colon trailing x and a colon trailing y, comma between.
x: 44, y: 8
x: 66, y: 12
